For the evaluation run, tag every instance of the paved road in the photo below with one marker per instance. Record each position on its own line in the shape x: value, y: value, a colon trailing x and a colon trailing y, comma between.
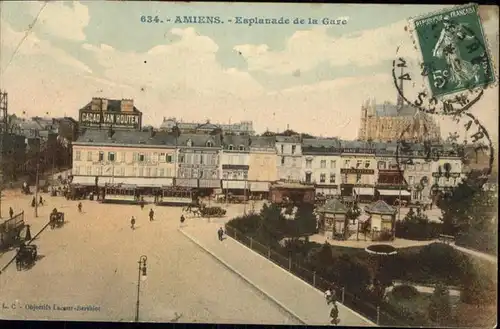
x: 92, y: 261
x: 306, y: 302
x: 475, y: 253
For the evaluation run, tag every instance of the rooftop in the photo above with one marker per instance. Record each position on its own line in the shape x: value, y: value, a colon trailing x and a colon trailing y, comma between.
x: 380, y: 207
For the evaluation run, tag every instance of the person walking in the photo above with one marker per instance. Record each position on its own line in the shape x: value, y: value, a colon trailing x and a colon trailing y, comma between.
x: 33, y: 202
x: 79, y: 207
x: 151, y: 215
x: 132, y: 223
x: 41, y: 201
x: 182, y: 219
x: 220, y: 233
x: 11, y: 212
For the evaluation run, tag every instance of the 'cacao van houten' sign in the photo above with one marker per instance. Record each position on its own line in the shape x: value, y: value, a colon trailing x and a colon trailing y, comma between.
x: 115, y: 119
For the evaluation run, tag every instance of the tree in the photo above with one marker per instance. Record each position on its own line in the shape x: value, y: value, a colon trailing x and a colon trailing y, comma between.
x: 268, y: 133
x: 305, y: 221
x: 440, y: 306
x: 468, y: 206
x: 353, y: 212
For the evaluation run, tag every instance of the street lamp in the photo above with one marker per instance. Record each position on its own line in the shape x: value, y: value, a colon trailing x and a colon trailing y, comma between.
x: 142, y: 275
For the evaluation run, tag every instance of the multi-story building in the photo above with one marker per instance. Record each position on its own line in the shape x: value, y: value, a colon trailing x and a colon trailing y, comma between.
x: 447, y: 171
x: 144, y: 159
x: 198, y: 164
x: 358, y: 169
x: 263, y: 164
x: 289, y: 152
x: 321, y: 164
x: 238, y: 128
x: 102, y: 113
x: 234, y: 162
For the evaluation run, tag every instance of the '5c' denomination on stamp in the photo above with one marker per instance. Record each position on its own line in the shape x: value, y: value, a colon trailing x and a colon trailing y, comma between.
x: 454, y: 50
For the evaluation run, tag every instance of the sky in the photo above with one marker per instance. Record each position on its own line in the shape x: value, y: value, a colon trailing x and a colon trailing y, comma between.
x: 313, y: 78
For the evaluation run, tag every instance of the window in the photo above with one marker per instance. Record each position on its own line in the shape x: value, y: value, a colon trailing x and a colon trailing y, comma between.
x: 224, y: 175
x: 142, y: 158
x: 294, y: 162
x: 141, y: 171
x: 148, y: 171
x: 347, y: 163
x: 323, y: 164
x: 242, y: 148
x: 308, y: 163
x: 358, y: 178
x: 282, y: 161
x: 101, y: 156
x: 332, y: 178
x: 245, y: 175
x: 78, y: 154
x: 411, y: 180
x: 308, y: 177
x: 167, y: 158
x: 359, y: 163
x: 344, y: 179
x: 99, y: 171
x: 163, y: 157
x: 161, y: 172
x: 235, y: 175
x: 282, y: 148
x: 181, y: 158
x: 76, y: 170
x: 322, y: 178
x: 294, y: 147
x: 333, y: 164
x: 122, y: 156
x: 381, y: 165
x: 155, y: 157
x: 111, y: 156
x: 89, y: 156
x: 134, y: 157
x: 230, y: 147
x: 210, y: 144
x: 89, y: 170
x: 189, y: 143
x: 367, y: 164
x: 202, y: 158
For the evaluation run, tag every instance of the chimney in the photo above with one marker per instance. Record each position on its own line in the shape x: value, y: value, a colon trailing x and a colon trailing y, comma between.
x: 127, y: 105
x: 95, y: 104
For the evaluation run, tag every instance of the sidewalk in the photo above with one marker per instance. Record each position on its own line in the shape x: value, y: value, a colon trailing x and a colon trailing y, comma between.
x: 478, y: 254
x: 304, y: 302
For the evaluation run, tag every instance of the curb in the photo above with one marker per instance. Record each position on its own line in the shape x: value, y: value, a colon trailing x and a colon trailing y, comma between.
x: 255, y: 286
x: 369, y: 322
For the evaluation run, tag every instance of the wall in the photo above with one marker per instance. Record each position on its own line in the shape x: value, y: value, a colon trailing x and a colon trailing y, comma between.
x: 127, y: 161
x: 262, y: 167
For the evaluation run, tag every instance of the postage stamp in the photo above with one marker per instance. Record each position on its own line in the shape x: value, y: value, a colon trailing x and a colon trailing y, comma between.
x: 454, y: 50
x: 184, y: 162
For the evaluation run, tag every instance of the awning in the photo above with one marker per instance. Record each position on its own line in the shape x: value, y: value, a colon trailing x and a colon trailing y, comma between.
x: 259, y: 186
x: 137, y: 181
x: 235, y: 184
x: 364, y: 190
x: 394, y: 192
x: 210, y: 183
x: 327, y: 190
x: 186, y: 182
x: 83, y: 180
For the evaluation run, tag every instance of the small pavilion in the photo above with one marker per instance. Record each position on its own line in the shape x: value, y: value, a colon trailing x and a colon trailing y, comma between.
x: 333, y: 220
x: 382, y: 217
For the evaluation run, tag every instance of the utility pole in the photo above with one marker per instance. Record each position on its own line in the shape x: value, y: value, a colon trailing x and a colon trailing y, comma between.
x: 36, y: 184
x: 4, y: 125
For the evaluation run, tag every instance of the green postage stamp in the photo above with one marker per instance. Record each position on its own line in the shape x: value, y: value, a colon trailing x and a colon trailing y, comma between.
x: 454, y: 50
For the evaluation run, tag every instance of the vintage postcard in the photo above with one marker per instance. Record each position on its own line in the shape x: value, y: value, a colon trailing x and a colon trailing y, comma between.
x: 249, y: 163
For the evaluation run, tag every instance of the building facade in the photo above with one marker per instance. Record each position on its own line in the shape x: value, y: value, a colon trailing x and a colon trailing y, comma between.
x: 198, y: 165
x: 289, y: 152
x: 136, y: 158
x: 263, y: 165
x: 234, y: 163
x: 102, y: 113
x: 321, y: 164
x: 238, y: 128
x: 358, y: 169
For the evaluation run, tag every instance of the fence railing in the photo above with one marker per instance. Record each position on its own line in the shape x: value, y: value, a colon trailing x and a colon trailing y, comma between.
x: 383, y: 314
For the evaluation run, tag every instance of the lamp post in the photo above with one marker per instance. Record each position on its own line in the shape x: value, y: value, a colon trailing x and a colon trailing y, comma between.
x: 142, y: 275
x: 36, y: 183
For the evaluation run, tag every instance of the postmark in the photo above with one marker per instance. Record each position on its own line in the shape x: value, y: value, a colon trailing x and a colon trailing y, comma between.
x: 454, y: 50
x: 465, y: 150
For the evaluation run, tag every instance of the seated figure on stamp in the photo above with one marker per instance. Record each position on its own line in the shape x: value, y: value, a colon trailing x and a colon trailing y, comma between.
x: 447, y: 46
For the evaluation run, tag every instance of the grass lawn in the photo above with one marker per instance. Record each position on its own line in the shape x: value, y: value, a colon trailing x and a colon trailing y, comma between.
x: 415, y: 309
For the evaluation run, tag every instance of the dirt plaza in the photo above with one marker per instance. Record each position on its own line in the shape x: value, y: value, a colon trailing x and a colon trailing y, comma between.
x: 88, y: 270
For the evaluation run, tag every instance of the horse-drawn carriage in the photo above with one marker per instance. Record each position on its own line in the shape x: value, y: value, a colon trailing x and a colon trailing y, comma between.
x: 26, y: 256
x: 56, y: 219
x: 10, y: 231
x: 212, y: 211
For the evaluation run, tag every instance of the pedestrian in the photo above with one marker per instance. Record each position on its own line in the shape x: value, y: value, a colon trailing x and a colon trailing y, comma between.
x: 132, y: 223
x: 151, y: 215
x: 220, y: 233
x: 33, y: 202
x: 79, y: 207
x: 11, y: 212
x: 182, y: 219
x: 41, y: 201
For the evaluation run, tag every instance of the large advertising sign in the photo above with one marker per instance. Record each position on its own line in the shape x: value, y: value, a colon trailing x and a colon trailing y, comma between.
x: 117, y: 120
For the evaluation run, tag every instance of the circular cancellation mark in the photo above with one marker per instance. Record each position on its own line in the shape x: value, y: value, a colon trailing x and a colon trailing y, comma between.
x: 473, y: 148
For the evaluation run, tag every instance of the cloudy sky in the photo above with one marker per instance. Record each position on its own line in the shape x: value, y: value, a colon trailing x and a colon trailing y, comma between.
x: 312, y: 77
